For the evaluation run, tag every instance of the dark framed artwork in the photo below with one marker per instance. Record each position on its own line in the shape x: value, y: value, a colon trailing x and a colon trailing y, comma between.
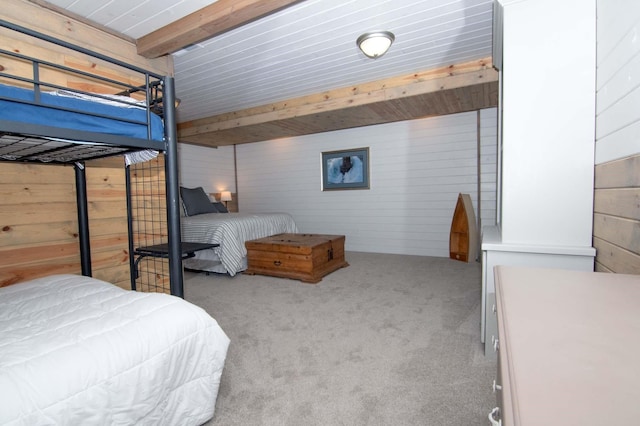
x: 346, y: 169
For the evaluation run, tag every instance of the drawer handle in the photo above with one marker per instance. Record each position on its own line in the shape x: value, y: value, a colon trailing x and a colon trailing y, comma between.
x: 495, y: 387
x: 492, y: 417
x: 494, y: 309
x: 277, y: 262
x: 496, y: 343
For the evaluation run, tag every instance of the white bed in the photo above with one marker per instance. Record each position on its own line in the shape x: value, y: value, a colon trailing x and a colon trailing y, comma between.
x: 75, y: 350
x: 230, y: 231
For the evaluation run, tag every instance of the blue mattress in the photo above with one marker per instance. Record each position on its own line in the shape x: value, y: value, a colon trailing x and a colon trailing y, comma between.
x: 46, y: 114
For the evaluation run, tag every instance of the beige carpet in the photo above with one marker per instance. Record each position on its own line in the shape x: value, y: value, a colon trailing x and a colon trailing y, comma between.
x: 389, y: 340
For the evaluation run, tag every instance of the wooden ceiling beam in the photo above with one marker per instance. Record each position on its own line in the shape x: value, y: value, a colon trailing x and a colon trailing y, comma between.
x: 400, y: 98
x: 208, y: 22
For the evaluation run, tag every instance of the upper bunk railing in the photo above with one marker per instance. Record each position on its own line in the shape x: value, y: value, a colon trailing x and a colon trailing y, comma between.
x: 135, y: 82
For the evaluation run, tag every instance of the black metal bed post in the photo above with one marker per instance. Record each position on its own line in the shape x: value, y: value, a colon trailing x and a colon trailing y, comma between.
x: 172, y: 187
x: 127, y: 181
x: 83, y: 219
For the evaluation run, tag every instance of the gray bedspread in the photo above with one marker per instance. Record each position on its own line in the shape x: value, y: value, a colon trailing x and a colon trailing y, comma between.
x: 231, y: 230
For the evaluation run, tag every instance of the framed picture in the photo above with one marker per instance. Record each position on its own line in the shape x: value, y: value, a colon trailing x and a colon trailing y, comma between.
x: 346, y: 169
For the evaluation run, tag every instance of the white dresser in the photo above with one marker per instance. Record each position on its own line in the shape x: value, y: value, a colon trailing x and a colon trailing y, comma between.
x: 568, y: 348
x: 495, y: 252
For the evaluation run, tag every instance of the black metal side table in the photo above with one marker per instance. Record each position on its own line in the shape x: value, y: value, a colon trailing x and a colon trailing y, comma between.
x: 187, y: 250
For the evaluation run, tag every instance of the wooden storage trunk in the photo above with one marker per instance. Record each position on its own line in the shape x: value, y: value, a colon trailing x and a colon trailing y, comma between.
x: 305, y: 257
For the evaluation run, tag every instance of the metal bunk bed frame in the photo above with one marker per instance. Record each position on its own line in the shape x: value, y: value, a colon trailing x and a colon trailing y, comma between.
x: 160, y: 84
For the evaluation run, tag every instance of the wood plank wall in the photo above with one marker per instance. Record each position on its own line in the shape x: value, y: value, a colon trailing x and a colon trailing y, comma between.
x: 30, y: 15
x: 38, y: 216
x: 39, y: 223
x: 616, y: 218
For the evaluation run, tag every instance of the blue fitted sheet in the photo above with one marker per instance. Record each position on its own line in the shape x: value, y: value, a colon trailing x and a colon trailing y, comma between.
x: 44, y: 114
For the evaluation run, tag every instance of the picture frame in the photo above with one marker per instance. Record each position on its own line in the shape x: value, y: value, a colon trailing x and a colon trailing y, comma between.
x: 345, y: 169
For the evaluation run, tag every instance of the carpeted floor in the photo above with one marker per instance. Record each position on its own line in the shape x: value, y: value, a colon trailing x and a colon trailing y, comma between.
x: 389, y: 340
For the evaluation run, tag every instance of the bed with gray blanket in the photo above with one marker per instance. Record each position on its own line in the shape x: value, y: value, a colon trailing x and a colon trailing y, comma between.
x: 211, y: 223
x: 230, y: 231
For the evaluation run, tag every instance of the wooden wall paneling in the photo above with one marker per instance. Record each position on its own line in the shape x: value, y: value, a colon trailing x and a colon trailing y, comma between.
x: 101, y: 260
x: 154, y: 275
x: 30, y: 15
x: 616, y: 225
x: 621, y: 173
x: 34, y: 173
x: 106, y: 193
x: 39, y: 193
x: 38, y: 228
x: 108, y: 226
x: 39, y: 220
x: 118, y: 275
x: 30, y: 271
x: 618, y: 201
x: 38, y: 233
x: 51, y: 75
x: 45, y: 252
x: 618, y: 230
x: 599, y: 267
x: 55, y: 212
x: 615, y: 258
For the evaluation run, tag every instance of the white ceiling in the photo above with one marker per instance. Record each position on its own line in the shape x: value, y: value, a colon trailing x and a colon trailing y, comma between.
x: 304, y: 49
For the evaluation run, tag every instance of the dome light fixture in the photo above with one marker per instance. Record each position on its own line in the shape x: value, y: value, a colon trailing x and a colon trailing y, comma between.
x: 376, y: 43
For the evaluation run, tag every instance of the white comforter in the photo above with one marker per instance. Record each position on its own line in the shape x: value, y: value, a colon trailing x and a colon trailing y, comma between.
x: 78, y: 351
x: 231, y: 230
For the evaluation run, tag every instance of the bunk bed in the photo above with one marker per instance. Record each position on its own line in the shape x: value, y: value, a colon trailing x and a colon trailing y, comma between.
x: 44, y: 122
x: 80, y: 350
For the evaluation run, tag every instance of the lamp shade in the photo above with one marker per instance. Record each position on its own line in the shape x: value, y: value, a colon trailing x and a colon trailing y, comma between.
x: 375, y: 44
x: 225, y: 196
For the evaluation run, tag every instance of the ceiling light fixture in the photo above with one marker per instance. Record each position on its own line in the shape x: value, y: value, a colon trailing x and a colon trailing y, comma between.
x: 376, y: 43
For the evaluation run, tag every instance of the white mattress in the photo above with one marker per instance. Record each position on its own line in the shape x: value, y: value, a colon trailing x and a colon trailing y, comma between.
x: 230, y: 231
x: 75, y: 350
